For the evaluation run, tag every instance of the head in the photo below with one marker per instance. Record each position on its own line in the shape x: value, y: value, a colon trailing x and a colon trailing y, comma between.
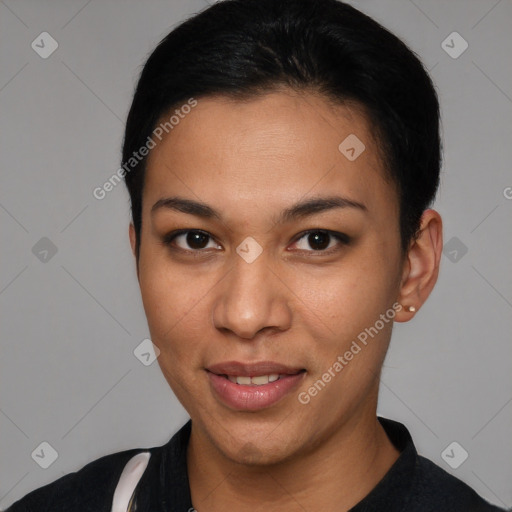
x: 280, y: 211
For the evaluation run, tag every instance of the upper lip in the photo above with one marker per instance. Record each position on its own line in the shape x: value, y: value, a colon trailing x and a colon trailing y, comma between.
x: 252, y: 369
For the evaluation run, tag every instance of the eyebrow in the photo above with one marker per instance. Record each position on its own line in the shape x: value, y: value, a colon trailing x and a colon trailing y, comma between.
x: 301, y: 209
x: 189, y: 206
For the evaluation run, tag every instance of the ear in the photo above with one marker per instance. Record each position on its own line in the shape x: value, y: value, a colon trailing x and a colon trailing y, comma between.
x: 133, y: 244
x: 421, y: 265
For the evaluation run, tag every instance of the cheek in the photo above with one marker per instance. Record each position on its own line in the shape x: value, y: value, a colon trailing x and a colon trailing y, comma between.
x: 342, y: 306
x: 341, y: 313
x: 176, y: 318
x: 174, y: 303
x: 347, y: 297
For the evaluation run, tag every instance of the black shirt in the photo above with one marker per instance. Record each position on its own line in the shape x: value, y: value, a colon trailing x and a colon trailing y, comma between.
x: 412, y: 484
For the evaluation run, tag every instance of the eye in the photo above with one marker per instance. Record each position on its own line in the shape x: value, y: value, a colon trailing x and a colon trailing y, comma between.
x: 318, y: 240
x: 193, y: 240
x: 321, y: 240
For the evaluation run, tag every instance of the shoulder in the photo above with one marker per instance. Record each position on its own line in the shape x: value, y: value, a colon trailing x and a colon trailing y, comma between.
x: 89, y: 489
x: 435, y: 489
x: 415, y: 483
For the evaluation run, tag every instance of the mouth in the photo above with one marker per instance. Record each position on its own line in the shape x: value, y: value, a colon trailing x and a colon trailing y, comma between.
x: 257, y: 380
x: 253, y: 386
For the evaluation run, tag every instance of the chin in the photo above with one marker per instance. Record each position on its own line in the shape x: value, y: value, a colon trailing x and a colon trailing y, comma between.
x: 256, y: 446
x: 252, y: 453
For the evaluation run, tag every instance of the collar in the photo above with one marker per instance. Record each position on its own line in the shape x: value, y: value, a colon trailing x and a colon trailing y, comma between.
x: 395, y: 487
x: 170, y: 489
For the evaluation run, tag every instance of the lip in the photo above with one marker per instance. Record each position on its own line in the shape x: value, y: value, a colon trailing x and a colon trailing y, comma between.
x: 252, y: 397
x: 252, y: 369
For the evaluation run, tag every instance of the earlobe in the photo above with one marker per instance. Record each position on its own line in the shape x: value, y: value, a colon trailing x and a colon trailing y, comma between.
x: 421, y: 266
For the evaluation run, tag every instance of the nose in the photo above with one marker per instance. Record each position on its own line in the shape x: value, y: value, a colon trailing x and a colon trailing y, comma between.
x: 252, y: 298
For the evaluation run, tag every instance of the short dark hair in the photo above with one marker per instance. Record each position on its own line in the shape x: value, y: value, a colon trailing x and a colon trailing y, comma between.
x: 245, y: 48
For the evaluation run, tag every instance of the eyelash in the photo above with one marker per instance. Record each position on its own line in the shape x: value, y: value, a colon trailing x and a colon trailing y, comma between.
x: 342, y: 238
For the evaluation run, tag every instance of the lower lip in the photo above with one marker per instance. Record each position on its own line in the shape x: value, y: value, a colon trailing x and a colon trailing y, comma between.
x: 250, y: 397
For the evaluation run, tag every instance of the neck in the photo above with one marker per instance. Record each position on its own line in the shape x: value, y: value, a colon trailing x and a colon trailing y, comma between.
x: 335, y: 475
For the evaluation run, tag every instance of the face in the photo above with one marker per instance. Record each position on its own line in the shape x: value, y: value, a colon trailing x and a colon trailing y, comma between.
x: 292, y: 255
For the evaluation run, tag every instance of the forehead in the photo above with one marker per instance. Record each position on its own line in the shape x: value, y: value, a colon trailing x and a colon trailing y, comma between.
x: 268, y: 150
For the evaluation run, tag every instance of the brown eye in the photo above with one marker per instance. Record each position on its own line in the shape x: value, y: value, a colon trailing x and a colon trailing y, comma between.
x: 191, y: 240
x: 196, y: 240
x: 320, y: 240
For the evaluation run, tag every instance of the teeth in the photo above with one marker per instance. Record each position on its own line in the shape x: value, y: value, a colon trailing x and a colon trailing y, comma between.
x: 261, y: 379
x: 257, y: 380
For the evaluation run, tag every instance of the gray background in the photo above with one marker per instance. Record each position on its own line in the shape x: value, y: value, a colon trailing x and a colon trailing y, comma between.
x: 70, y: 323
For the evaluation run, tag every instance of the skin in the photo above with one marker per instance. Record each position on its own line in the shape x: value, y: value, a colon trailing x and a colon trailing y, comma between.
x: 249, y: 160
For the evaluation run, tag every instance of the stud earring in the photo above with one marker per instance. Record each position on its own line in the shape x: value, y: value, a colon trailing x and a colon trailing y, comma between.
x: 411, y: 309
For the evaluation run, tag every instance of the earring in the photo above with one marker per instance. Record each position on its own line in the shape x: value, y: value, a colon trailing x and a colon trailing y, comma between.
x: 411, y: 309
